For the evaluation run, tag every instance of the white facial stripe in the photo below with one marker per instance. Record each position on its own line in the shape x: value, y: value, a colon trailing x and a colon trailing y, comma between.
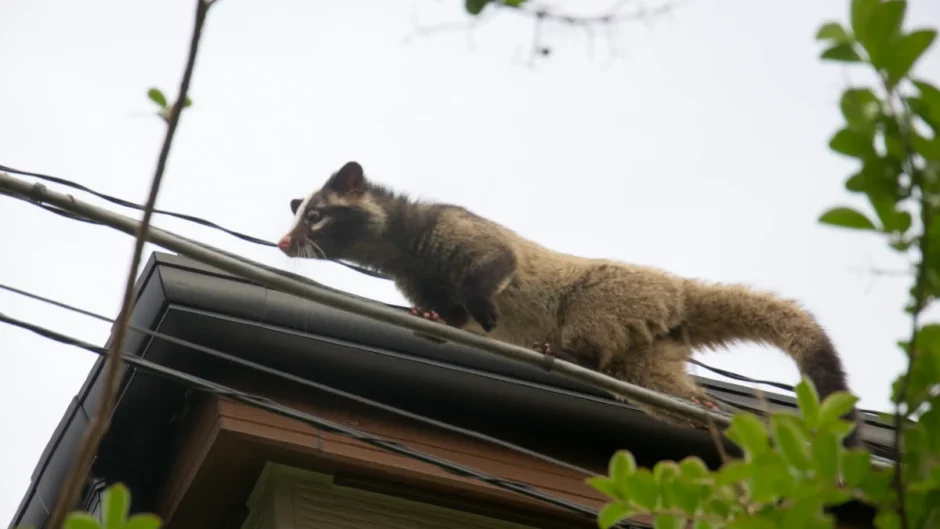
x: 319, y: 225
x: 299, y: 216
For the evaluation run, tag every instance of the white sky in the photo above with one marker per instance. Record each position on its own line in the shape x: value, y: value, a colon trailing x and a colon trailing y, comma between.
x: 702, y: 150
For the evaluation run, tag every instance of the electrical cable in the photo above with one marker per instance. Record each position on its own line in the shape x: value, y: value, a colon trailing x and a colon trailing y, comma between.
x: 396, y: 447
x: 249, y: 238
x: 306, y: 382
x: 182, y: 216
x: 722, y: 372
x: 210, y: 224
x: 262, y: 242
x: 248, y: 270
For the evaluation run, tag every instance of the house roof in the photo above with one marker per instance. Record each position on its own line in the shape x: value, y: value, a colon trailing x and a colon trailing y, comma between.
x: 384, y: 362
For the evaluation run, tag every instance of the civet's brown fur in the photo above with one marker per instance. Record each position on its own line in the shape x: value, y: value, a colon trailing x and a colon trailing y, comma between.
x: 636, y: 323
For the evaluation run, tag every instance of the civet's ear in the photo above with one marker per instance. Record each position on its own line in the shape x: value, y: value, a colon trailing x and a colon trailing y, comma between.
x: 294, y: 204
x: 349, y: 180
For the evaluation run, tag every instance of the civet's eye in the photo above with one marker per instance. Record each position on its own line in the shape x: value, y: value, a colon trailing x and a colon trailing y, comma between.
x: 313, y: 216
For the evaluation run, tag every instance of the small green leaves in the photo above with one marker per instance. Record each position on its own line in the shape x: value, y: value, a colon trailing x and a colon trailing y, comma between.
x: 792, y: 442
x: 664, y: 521
x: 833, y: 31
x: 642, y: 489
x: 157, y: 97
x: 860, y: 108
x: 81, y: 520
x: 748, y: 432
x: 808, y: 400
x: 611, y: 515
x: 622, y: 465
x: 860, y: 12
x: 835, y: 406
x: 144, y: 521
x: 856, y: 464
x: 846, y: 217
x: 475, y: 7
x: 882, y: 29
x: 852, y: 143
x: 115, y: 503
x: 906, y: 52
x: 841, y: 53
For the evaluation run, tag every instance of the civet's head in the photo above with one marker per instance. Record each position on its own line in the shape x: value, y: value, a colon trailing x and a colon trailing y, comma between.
x: 329, y: 222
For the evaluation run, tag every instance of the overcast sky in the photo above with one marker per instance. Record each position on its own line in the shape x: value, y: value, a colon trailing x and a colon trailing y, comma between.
x: 702, y: 149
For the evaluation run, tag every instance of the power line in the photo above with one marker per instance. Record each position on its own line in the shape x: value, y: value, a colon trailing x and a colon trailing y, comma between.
x: 342, y: 301
x: 183, y: 216
x: 308, y: 383
x: 255, y: 240
x: 264, y: 403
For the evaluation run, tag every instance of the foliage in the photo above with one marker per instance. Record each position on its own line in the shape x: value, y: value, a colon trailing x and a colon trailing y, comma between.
x: 475, y: 7
x: 795, y: 466
x: 792, y: 469
x: 156, y: 95
x: 115, y: 504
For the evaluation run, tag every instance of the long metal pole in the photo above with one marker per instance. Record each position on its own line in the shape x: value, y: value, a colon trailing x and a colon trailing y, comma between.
x: 38, y: 193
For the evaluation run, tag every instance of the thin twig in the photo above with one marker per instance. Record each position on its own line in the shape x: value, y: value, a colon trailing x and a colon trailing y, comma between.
x: 614, y: 16
x: 102, y: 418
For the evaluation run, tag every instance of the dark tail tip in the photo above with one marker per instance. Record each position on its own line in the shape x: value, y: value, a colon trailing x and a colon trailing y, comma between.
x: 822, y: 365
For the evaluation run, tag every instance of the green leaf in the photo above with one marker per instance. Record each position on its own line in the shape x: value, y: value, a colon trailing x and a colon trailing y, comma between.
x: 860, y: 108
x: 733, y: 472
x: 187, y: 102
x: 116, y: 503
x: 642, y: 489
x: 841, y: 53
x: 846, y: 217
x: 835, y: 406
x: 621, y: 466
x: 808, y: 399
x: 663, y: 521
x: 856, y: 465
x: 929, y: 149
x: 748, y: 432
x: 752, y: 523
x: 887, y: 520
x: 799, y: 515
x: 81, y: 520
x: 906, y: 52
x: 883, y: 27
x: 703, y: 524
x: 930, y: 98
x: 826, y: 455
x: 611, y: 514
x: 605, y: 486
x: 793, y: 443
x: 144, y: 521
x: 693, y: 467
x: 852, y: 143
x: 474, y: 7
x: 157, y: 97
x: 833, y: 31
x: 860, y: 12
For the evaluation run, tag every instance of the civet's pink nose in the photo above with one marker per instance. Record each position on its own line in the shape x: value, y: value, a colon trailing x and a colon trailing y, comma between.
x: 284, y: 243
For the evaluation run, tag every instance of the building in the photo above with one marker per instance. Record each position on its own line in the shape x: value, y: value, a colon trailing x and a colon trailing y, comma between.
x: 203, y: 461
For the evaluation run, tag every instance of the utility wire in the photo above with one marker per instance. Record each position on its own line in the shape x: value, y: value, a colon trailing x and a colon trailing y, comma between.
x: 262, y: 242
x: 183, y: 216
x: 267, y: 404
x: 342, y: 301
x: 306, y: 382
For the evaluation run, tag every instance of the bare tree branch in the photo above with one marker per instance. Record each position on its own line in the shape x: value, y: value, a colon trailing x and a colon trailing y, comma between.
x: 102, y: 418
x: 607, y: 22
